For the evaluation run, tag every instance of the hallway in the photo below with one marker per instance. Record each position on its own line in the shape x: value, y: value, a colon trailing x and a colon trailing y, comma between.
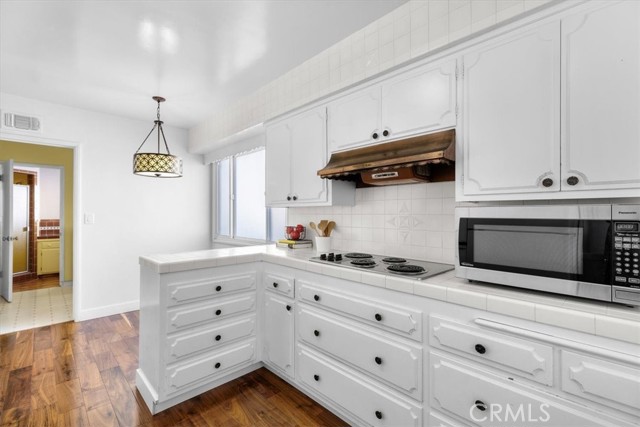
x: 36, y: 308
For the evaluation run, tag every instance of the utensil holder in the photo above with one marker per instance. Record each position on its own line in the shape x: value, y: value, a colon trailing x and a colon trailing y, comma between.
x: 323, y: 244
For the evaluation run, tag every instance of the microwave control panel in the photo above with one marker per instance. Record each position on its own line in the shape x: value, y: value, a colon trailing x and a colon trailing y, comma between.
x: 626, y: 253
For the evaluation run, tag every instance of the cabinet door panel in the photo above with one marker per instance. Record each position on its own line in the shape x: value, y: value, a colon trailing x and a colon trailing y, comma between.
x: 601, y: 381
x: 464, y: 391
x: 277, y: 164
x: 397, y: 363
x: 512, y: 113
x: 353, y: 119
x: 308, y: 155
x: 278, y: 333
x: 420, y: 102
x: 601, y: 97
x: 362, y: 398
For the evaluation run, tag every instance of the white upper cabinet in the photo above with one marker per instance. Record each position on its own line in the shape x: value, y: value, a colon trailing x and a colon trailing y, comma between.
x: 601, y: 97
x: 414, y: 102
x: 296, y: 149
x: 553, y: 110
x: 511, y: 114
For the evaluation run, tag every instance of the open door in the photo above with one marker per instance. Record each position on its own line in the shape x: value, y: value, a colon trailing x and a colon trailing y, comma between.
x: 6, y: 226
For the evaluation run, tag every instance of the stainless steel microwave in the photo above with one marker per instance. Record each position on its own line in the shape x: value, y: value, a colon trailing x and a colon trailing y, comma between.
x: 588, y: 251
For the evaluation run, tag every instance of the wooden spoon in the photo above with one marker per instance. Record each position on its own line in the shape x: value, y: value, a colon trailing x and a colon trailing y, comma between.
x: 329, y: 229
x: 322, y: 225
x: 314, y: 227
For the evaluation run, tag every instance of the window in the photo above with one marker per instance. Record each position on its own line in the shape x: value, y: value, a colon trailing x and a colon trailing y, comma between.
x: 240, y: 203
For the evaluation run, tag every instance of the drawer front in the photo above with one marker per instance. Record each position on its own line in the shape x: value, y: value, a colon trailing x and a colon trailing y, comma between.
x: 529, y: 359
x: 194, y: 290
x: 280, y: 284
x: 209, y: 338
x: 53, y: 244
x: 483, y: 399
x: 396, y: 363
x: 601, y: 381
x: 365, y: 400
x: 213, y: 310
x: 399, y: 320
x: 206, y: 368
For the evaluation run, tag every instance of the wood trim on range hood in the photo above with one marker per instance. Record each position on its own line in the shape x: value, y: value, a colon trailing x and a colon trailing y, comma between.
x: 435, y: 148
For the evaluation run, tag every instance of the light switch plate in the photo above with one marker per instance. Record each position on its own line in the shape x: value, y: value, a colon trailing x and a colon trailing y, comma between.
x: 89, y: 218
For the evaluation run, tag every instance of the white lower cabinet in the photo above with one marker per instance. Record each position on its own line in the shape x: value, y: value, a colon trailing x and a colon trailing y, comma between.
x: 355, y: 393
x: 278, y: 333
x: 484, y: 398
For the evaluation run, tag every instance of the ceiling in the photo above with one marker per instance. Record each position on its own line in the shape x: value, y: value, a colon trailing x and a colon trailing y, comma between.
x: 202, y: 55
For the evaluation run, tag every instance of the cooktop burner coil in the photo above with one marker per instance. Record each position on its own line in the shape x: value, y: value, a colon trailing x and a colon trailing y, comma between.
x: 357, y: 255
x: 393, y: 260
x: 406, y: 269
x: 364, y: 262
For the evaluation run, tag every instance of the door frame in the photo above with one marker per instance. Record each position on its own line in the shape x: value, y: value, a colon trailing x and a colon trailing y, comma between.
x: 77, y: 201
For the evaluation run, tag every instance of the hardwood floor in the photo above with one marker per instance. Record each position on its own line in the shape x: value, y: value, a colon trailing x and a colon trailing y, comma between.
x: 43, y: 282
x: 83, y: 374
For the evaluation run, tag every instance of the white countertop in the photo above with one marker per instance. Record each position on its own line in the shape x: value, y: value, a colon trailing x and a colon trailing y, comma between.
x: 598, y: 318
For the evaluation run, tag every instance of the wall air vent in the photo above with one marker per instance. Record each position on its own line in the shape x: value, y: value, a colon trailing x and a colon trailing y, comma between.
x: 21, y: 122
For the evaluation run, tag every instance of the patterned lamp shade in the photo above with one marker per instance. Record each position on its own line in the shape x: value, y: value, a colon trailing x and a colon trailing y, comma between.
x: 157, y: 165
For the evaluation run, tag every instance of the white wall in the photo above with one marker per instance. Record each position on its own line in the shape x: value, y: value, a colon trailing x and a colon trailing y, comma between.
x: 48, y: 189
x: 133, y: 215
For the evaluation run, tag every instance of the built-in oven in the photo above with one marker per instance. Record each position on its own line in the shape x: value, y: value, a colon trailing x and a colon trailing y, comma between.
x: 588, y: 251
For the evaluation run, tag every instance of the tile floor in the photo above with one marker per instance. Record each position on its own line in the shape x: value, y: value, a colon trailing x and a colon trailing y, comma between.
x: 32, y: 309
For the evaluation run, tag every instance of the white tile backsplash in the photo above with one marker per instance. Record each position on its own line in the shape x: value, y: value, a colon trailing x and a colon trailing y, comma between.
x: 396, y: 220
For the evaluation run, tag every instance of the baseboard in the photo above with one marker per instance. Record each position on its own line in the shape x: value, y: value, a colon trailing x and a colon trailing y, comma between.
x: 66, y: 284
x: 107, y: 310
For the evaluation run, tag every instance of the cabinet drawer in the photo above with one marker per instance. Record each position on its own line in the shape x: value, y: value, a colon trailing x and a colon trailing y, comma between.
x: 204, y: 369
x: 396, y: 363
x: 484, y: 399
x: 601, y: 381
x: 529, y: 359
x: 209, y: 338
x: 360, y: 397
x: 280, y: 284
x: 399, y: 320
x: 191, y: 291
x: 212, y: 310
x: 48, y: 244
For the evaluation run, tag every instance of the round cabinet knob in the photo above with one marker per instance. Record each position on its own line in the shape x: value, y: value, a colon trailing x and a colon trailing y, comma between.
x: 316, y: 333
x: 218, y: 312
x: 275, y: 284
x: 378, y: 360
x: 288, y: 308
x: 316, y: 297
x: 295, y: 197
x: 217, y: 365
x: 572, y: 180
x: 288, y: 197
x: 378, y: 317
x: 385, y: 132
x: 218, y: 337
x: 218, y: 288
x: 375, y: 135
x: 316, y: 377
x: 379, y: 415
x: 480, y: 405
x: 480, y: 349
x: 547, y: 182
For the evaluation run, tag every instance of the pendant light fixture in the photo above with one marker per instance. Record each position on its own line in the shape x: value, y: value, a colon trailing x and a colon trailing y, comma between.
x: 157, y: 165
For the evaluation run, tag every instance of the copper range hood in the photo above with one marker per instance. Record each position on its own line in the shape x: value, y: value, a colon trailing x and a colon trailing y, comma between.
x: 418, y: 159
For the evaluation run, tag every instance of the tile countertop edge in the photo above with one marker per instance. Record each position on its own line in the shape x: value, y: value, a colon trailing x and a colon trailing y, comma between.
x: 601, y: 319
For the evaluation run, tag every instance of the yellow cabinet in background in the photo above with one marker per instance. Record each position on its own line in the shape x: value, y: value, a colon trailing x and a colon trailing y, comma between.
x: 48, y: 256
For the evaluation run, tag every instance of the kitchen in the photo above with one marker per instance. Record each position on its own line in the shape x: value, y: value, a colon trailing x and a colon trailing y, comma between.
x: 415, y: 221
